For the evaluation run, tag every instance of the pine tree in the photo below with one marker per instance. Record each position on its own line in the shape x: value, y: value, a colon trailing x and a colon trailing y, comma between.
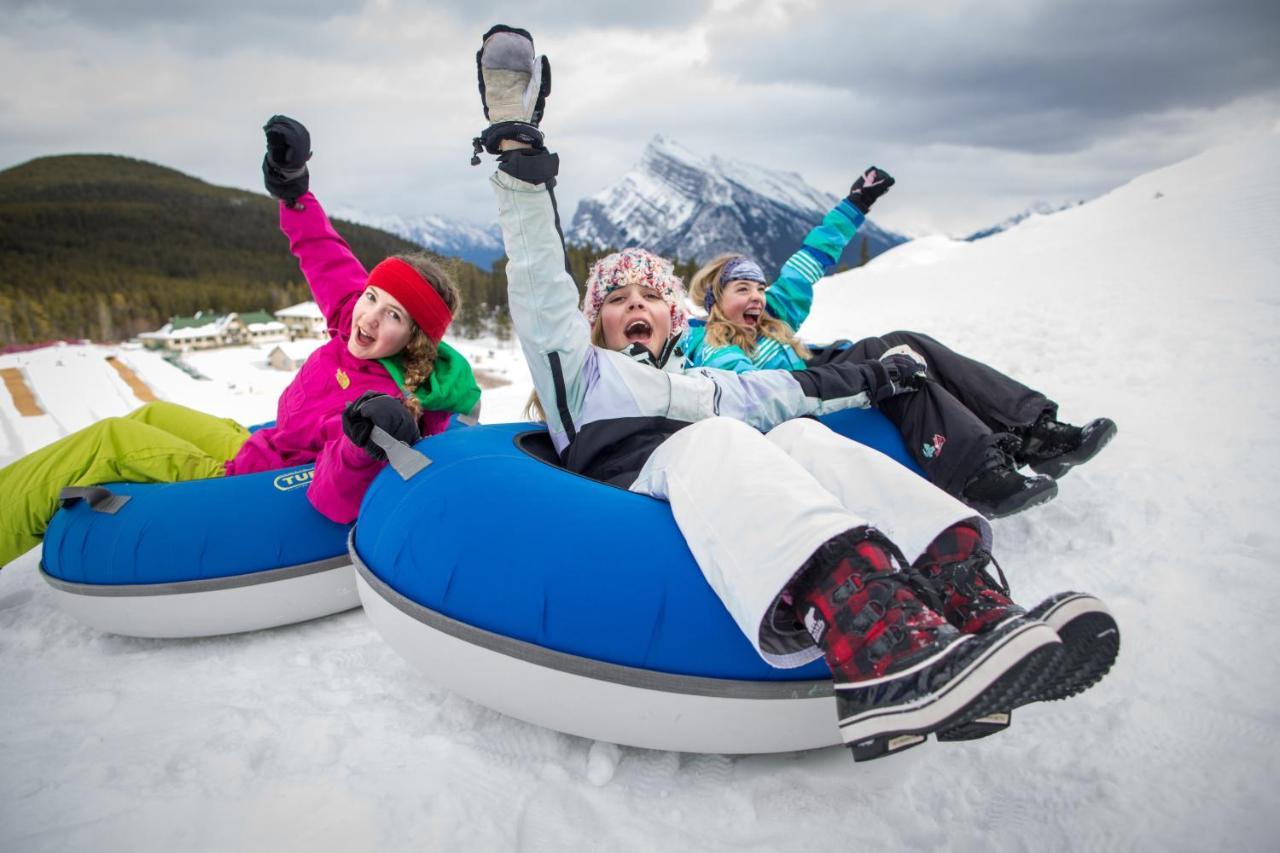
x: 471, y: 319
x: 106, y: 330
x: 502, y: 325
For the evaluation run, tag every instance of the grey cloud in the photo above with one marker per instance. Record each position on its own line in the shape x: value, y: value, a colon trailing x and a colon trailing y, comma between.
x: 130, y: 14
x: 1037, y: 77
x: 570, y: 15
x: 232, y: 15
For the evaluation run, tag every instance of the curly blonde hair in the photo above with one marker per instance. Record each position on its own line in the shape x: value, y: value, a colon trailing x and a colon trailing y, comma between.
x: 721, y: 331
x: 419, y: 355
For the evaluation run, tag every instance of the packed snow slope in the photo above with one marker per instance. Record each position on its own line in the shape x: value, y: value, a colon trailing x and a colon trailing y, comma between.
x: 1157, y: 305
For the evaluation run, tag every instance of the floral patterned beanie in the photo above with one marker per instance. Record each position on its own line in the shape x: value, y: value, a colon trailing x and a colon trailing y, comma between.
x: 635, y: 266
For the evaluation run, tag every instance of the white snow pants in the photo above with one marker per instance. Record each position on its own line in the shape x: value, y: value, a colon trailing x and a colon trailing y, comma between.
x: 753, y: 508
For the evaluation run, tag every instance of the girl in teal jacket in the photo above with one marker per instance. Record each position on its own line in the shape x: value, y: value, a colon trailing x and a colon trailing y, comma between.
x: 970, y: 427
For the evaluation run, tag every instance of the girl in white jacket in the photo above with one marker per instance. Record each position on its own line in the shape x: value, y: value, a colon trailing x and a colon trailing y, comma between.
x: 801, y: 533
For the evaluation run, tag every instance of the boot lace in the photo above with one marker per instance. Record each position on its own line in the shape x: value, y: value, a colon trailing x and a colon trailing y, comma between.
x: 962, y: 576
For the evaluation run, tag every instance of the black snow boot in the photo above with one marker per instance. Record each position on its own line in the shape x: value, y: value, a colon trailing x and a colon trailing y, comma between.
x: 1053, y: 448
x: 997, y: 489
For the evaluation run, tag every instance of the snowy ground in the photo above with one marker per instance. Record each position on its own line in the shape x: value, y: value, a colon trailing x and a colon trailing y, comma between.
x: 1157, y: 305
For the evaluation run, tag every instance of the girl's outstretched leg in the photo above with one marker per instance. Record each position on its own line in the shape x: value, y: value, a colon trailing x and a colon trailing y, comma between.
x: 220, y: 438
x: 962, y: 452
x: 115, y: 449
x: 756, y: 521
x: 873, y: 487
x: 1049, y: 446
x: 999, y: 400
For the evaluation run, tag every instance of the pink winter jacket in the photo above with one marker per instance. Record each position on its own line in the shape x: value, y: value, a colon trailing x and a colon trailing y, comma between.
x: 309, y: 418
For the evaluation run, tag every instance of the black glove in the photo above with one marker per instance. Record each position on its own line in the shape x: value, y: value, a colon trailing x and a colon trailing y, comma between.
x: 514, y: 85
x: 879, y: 380
x: 870, y: 185
x: 372, y: 409
x: 284, y: 168
x: 904, y: 374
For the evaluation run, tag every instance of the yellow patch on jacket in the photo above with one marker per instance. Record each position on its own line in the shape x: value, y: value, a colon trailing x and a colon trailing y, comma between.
x: 344, y: 381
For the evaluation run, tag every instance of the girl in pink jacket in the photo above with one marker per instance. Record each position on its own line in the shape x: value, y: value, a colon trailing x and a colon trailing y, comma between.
x: 385, y: 365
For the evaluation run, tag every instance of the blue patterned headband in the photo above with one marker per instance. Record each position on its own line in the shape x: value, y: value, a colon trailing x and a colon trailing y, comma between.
x: 738, y: 269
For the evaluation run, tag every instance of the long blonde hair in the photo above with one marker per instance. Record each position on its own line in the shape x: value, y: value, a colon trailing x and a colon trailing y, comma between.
x: 721, y: 331
x: 419, y: 355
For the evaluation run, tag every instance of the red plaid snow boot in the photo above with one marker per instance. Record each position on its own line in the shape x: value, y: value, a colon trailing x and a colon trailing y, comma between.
x: 900, y: 670
x: 952, y: 577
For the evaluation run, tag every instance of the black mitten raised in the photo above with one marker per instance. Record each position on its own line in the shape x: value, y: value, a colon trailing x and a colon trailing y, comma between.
x: 869, y: 186
x: 372, y: 409
x: 284, y: 168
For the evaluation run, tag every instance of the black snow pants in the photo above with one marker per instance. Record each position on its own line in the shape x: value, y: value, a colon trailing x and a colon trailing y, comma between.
x: 963, y: 407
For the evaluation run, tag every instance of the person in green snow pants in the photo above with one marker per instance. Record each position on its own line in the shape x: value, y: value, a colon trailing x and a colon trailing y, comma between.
x: 158, y: 443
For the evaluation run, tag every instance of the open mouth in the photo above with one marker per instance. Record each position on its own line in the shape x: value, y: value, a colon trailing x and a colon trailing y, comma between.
x: 362, y: 338
x: 751, y: 316
x: 638, y: 330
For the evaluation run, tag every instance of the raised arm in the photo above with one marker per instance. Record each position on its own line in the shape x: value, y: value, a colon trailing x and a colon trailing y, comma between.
x: 541, y: 294
x: 790, y: 298
x: 333, y: 272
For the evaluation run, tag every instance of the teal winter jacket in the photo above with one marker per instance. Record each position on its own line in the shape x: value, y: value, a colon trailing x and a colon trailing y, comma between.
x: 789, y: 298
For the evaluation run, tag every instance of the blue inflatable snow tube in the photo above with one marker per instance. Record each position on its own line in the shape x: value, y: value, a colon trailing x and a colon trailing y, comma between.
x: 197, y: 530
x: 495, y: 535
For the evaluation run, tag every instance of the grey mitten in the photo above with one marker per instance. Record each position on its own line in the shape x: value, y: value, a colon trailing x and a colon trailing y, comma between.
x: 514, y: 85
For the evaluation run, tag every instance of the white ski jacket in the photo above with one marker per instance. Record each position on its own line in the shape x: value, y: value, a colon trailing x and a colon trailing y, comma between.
x: 606, y: 412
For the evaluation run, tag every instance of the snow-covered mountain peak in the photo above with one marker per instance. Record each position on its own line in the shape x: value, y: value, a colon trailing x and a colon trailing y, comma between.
x: 662, y: 147
x: 479, y: 244
x: 682, y: 204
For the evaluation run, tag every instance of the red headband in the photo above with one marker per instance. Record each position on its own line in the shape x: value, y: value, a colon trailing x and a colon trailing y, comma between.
x: 407, y: 286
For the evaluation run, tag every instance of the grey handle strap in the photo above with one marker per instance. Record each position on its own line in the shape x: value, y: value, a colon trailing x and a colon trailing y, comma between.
x: 100, y: 499
x: 472, y: 417
x: 403, y: 458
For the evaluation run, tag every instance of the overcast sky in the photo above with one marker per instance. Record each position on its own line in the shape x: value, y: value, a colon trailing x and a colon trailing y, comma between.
x: 979, y: 108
